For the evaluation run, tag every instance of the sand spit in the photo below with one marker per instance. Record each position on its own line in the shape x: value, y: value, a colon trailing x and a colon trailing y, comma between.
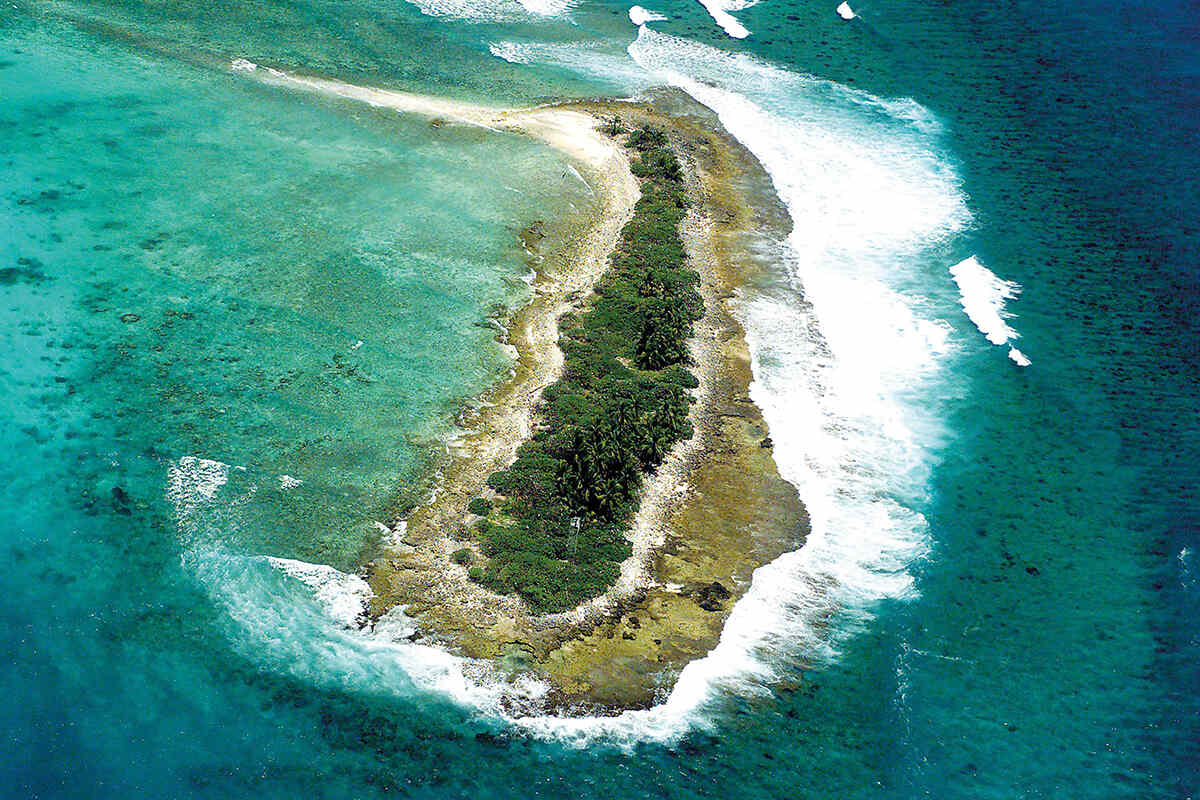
x: 569, y: 130
x: 714, y: 511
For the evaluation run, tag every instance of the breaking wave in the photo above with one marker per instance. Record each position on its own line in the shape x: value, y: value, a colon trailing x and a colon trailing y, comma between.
x: 719, y: 11
x: 984, y: 296
x: 640, y: 16
x: 840, y: 348
x: 495, y: 10
x: 589, y: 59
x: 304, y: 619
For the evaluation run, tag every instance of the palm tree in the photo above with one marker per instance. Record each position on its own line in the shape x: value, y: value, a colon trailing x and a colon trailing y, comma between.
x: 665, y: 330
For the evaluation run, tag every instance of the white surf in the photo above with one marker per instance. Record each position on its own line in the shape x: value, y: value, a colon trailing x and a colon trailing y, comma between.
x: 837, y: 350
x: 640, y: 16
x: 720, y: 14
x: 592, y: 60
x: 983, y: 296
x: 495, y: 10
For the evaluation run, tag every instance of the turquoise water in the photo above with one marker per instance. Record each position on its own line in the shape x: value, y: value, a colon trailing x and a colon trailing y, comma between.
x: 1000, y: 596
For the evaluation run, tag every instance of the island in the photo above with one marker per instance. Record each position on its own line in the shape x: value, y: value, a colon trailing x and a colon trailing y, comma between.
x: 607, y: 504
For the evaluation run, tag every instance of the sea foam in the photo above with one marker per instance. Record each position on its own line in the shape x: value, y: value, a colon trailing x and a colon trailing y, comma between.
x: 495, y: 10
x: 341, y: 595
x: 300, y: 618
x: 837, y: 349
x: 719, y: 11
x: 983, y: 298
x: 838, y: 352
x: 591, y: 60
x: 640, y: 16
x: 192, y: 480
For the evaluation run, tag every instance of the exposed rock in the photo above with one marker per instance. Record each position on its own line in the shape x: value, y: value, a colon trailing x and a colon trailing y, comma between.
x: 710, y: 596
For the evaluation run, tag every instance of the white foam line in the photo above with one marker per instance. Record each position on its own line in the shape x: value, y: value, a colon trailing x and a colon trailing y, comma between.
x: 983, y: 296
x: 342, y: 596
x: 589, y: 59
x: 865, y: 192
x: 511, y: 52
x: 640, y: 16
x: 319, y: 643
x: 547, y: 8
x: 324, y: 644
x: 726, y: 20
x: 495, y: 10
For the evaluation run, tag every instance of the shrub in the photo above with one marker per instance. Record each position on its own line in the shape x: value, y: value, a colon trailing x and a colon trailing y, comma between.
x: 475, y: 573
x: 657, y: 162
x: 680, y: 377
x: 462, y: 556
x: 646, y: 138
x: 612, y: 127
x: 480, y: 506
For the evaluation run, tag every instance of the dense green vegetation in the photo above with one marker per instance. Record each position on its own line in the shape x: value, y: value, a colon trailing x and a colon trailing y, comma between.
x: 480, y: 506
x: 559, y: 535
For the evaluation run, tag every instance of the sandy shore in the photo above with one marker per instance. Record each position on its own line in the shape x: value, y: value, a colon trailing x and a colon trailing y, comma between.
x: 716, y: 508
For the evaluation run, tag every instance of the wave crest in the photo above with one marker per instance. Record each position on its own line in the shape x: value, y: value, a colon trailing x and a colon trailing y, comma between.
x: 983, y: 297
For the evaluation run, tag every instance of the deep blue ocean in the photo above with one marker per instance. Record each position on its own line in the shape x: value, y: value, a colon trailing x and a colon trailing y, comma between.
x: 239, y: 323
